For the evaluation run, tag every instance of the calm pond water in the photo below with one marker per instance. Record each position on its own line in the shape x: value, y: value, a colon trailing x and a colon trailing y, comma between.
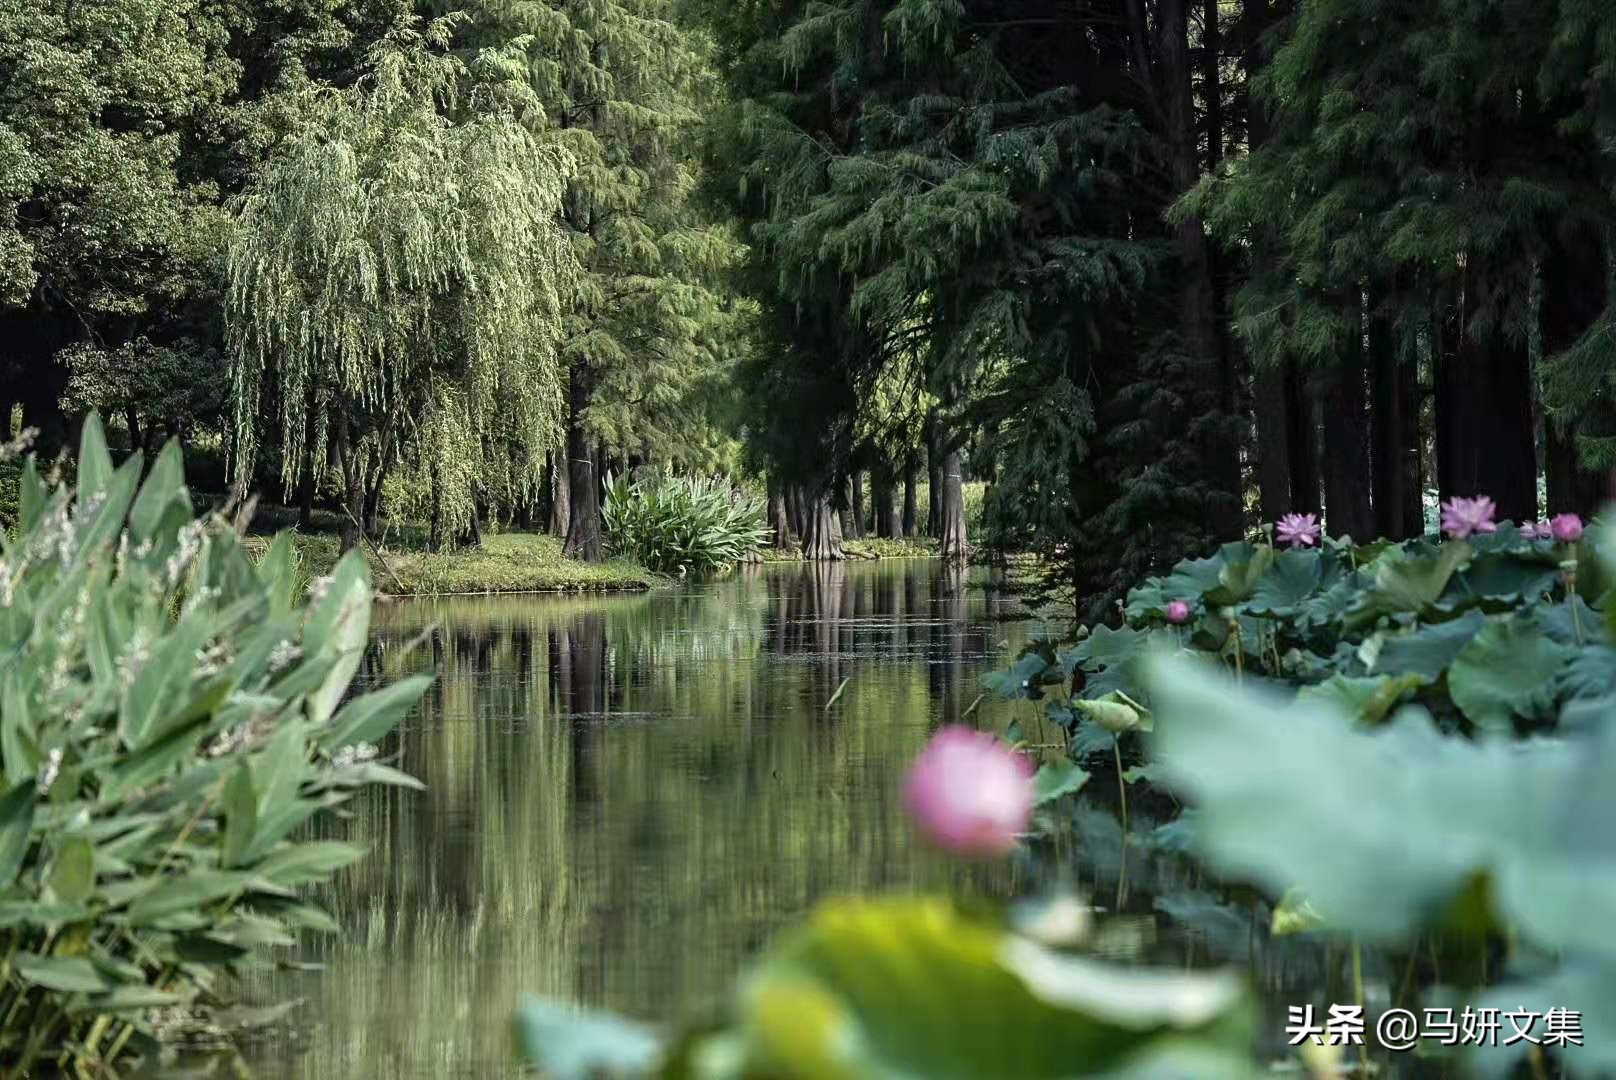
x: 627, y: 795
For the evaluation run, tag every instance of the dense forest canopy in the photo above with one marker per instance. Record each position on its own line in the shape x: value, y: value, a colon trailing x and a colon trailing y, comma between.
x: 1153, y: 271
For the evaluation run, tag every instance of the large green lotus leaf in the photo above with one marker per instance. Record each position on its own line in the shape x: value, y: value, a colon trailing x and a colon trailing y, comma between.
x: 1381, y: 830
x: 1105, y: 647
x: 1429, y: 650
x: 1192, y: 579
x: 1500, y: 581
x: 1410, y: 585
x: 1292, y: 578
x: 1369, y: 699
x: 1507, y: 670
x: 1021, y: 680
x: 1244, y: 564
x: 1057, y: 778
x: 872, y: 990
x: 1377, y: 829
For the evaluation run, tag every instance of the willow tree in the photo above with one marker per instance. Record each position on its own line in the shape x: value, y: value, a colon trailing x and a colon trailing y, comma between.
x: 398, y: 284
x: 622, y: 83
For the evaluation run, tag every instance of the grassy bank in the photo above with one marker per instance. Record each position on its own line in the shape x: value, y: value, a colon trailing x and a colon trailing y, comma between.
x: 503, y: 563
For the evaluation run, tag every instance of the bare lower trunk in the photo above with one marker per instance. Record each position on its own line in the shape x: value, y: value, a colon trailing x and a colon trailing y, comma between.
x: 560, y: 493
x: 1346, y: 468
x: 823, y: 539
x: 950, y: 500
x: 583, y: 530
x: 351, y: 468
x: 779, y: 526
x: 855, y: 505
x: 1273, y: 442
x: 911, y: 496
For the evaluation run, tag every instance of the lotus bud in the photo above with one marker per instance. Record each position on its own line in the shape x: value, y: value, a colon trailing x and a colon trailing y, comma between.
x: 1566, y: 528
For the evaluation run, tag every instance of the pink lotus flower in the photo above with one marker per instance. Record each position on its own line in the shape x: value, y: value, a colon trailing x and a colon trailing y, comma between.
x: 969, y: 793
x: 1529, y: 530
x: 1566, y: 528
x: 1465, y: 517
x: 1298, y: 530
x: 1178, y: 612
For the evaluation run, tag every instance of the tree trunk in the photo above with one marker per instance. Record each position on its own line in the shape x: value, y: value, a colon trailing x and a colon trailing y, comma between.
x: 1273, y: 439
x: 1387, y: 432
x: 1413, y: 447
x: 911, y: 496
x: 1217, y: 448
x: 306, y: 484
x: 823, y: 539
x: 950, y: 499
x: 796, y: 512
x: 1346, y: 466
x: 856, y: 504
x: 779, y: 524
x: 1574, y: 275
x: 888, y: 519
x: 583, y: 527
x: 351, y: 468
x: 1485, y: 443
x: 560, y: 492
x: 1302, y: 423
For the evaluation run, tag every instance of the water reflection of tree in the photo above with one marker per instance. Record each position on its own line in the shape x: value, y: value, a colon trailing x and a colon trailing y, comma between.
x: 628, y: 795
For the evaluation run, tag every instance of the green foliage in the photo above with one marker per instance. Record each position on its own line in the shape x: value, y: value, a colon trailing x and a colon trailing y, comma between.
x: 1486, y: 635
x: 678, y: 524
x: 901, y: 987
x: 397, y: 274
x: 1455, y: 833
x: 169, y: 719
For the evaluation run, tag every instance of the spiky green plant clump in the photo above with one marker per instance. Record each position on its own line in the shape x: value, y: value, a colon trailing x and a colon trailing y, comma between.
x: 678, y: 524
x: 168, y: 721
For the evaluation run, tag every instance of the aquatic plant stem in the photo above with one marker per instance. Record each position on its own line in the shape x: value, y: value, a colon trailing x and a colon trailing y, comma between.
x: 1358, y: 995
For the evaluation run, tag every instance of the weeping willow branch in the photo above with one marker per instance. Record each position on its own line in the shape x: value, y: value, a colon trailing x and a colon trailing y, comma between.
x: 400, y: 265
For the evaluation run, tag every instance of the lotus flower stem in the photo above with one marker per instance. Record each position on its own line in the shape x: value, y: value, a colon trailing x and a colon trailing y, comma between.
x: 1122, y: 787
x: 1358, y: 994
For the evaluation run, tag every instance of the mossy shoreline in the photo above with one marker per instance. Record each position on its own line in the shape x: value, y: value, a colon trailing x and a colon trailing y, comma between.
x: 522, y: 562
x: 503, y: 563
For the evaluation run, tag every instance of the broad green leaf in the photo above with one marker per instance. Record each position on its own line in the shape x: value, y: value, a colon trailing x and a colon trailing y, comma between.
x: 1371, y: 699
x: 131, y: 999
x: 298, y: 864
x: 910, y: 988
x: 66, y: 973
x: 16, y: 819
x: 184, y: 894
x: 241, y: 816
x: 1292, y: 578
x: 94, y: 462
x: 164, y: 489
x: 1412, y: 585
x: 1055, y: 779
x: 370, y: 716
x: 161, y: 681
x: 337, y: 628
x: 567, y: 1043
x: 72, y: 876
x: 278, y: 571
x: 1244, y: 564
x: 1507, y: 670
x: 1428, y: 651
